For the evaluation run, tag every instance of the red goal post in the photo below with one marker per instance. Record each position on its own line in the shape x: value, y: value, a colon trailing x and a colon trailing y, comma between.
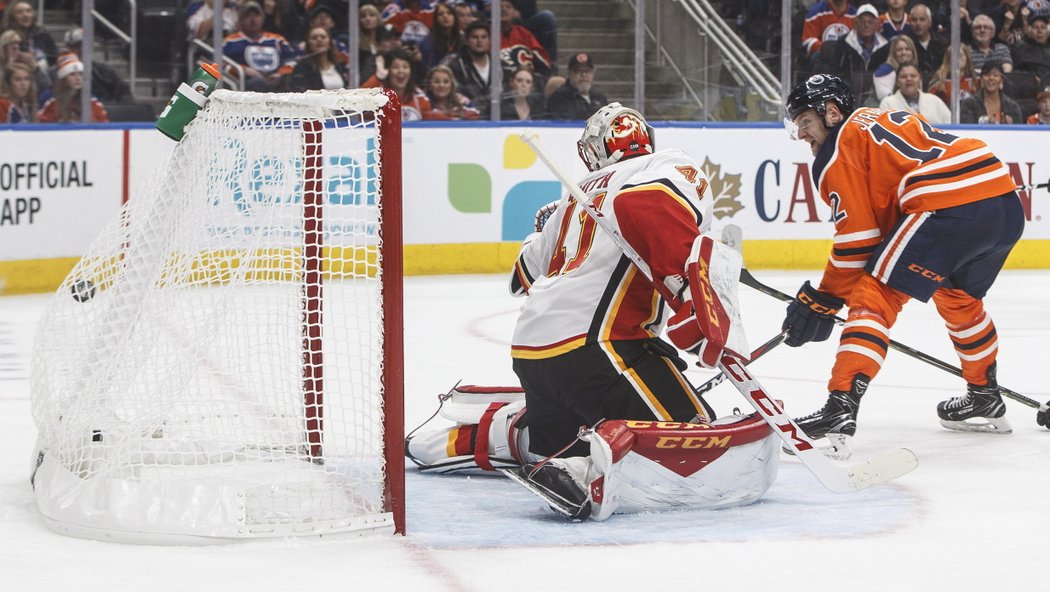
x: 226, y: 362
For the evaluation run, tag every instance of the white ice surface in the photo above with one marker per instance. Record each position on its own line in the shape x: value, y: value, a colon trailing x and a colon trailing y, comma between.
x: 973, y: 516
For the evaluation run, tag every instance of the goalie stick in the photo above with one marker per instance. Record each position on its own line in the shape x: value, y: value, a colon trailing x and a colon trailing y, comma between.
x: 837, y: 478
x: 1042, y: 415
x: 755, y: 354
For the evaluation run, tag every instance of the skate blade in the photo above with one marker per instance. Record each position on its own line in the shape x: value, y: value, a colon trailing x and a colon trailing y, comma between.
x: 557, y: 503
x: 834, y: 446
x: 987, y: 425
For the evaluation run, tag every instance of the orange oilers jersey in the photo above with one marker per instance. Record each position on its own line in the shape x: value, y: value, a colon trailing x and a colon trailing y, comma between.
x: 823, y: 24
x: 879, y: 165
x: 581, y: 288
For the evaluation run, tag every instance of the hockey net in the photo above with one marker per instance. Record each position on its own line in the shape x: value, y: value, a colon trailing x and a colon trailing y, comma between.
x: 226, y: 360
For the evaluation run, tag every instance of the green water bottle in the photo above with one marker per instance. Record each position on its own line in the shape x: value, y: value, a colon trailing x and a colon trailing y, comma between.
x: 189, y: 98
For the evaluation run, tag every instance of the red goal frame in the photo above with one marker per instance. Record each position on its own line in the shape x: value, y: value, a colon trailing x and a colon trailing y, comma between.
x: 392, y: 296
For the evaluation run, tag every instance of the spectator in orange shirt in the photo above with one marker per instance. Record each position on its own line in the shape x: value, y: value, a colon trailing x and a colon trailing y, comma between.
x: 1041, y: 117
x: 64, y: 105
x: 412, y: 22
x: 827, y: 20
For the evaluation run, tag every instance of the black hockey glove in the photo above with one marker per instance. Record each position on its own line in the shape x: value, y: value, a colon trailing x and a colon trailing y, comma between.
x: 810, y: 316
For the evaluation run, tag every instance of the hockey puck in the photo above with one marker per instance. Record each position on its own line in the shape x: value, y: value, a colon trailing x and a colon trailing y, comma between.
x: 83, y: 290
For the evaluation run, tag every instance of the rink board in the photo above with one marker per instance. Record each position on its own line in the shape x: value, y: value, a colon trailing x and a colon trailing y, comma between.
x: 466, y: 209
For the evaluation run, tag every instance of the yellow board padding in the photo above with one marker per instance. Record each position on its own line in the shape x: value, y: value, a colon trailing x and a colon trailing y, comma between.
x: 34, y: 275
x: 813, y: 254
x: 45, y: 275
x: 461, y: 258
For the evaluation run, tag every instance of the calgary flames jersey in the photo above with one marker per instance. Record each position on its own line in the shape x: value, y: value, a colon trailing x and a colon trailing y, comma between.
x: 879, y: 165
x: 581, y: 288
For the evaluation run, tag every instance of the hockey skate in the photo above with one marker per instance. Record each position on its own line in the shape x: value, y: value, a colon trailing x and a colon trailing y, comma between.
x: 837, y: 420
x: 553, y: 481
x: 981, y: 409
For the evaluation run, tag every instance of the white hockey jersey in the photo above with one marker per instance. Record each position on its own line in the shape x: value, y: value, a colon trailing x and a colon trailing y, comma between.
x: 581, y: 287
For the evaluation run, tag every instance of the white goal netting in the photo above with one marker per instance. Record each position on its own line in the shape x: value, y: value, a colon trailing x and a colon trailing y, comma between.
x: 220, y: 364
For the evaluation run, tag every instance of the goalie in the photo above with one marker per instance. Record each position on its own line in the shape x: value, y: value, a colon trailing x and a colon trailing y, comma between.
x: 587, y: 347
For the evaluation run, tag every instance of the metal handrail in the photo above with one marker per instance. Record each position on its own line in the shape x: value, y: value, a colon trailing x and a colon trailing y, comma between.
x: 237, y: 69
x: 129, y: 39
x: 741, y: 59
x: 665, y: 56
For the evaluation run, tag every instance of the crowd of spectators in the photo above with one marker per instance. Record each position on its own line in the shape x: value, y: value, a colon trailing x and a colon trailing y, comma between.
x: 436, y: 55
x: 41, y: 81
x: 879, y: 47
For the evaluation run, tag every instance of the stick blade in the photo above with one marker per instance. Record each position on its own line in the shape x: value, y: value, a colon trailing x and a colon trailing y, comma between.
x: 881, y: 469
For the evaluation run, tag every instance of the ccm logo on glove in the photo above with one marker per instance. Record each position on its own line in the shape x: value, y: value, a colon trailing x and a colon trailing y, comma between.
x: 810, y: 316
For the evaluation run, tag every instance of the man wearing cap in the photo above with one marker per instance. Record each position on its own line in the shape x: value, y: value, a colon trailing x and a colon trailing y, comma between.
x: 106, y: 84
x: 1041, y: 117
x: 577, y: 98
x: 855, y: 56
x: 266, y: 57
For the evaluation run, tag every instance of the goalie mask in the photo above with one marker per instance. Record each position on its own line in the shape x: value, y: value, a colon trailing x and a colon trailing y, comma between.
x: 613, y: 134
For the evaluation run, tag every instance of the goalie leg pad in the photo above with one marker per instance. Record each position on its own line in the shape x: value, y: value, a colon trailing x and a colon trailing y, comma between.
x: 484, y: 436
x: 648, y: 465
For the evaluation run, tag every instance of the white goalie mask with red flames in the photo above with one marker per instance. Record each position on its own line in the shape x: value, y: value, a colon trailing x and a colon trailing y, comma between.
x: 613, y: 134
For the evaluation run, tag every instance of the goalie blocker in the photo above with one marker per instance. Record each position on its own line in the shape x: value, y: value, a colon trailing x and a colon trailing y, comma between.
x: 633, y: 466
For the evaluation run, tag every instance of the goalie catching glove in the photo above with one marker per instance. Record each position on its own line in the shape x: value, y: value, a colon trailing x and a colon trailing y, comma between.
x: 810, y: 316
x: 700, y: 325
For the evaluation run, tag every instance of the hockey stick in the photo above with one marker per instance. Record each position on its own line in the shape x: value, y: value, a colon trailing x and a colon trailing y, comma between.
x: 885, y: 467
x: 755, y: 354
x: 1034, y: 186
x: 1043, y: 409
x: 880, y: 469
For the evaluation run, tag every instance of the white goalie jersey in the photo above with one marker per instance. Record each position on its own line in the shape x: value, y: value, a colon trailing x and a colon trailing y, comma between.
x: 581, y: 287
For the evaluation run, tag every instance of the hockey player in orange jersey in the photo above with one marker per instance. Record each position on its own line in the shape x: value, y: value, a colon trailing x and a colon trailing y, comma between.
x: 919, y: 213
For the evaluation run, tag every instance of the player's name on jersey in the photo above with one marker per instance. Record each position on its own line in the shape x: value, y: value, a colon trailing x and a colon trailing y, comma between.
x: 55, y: 174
